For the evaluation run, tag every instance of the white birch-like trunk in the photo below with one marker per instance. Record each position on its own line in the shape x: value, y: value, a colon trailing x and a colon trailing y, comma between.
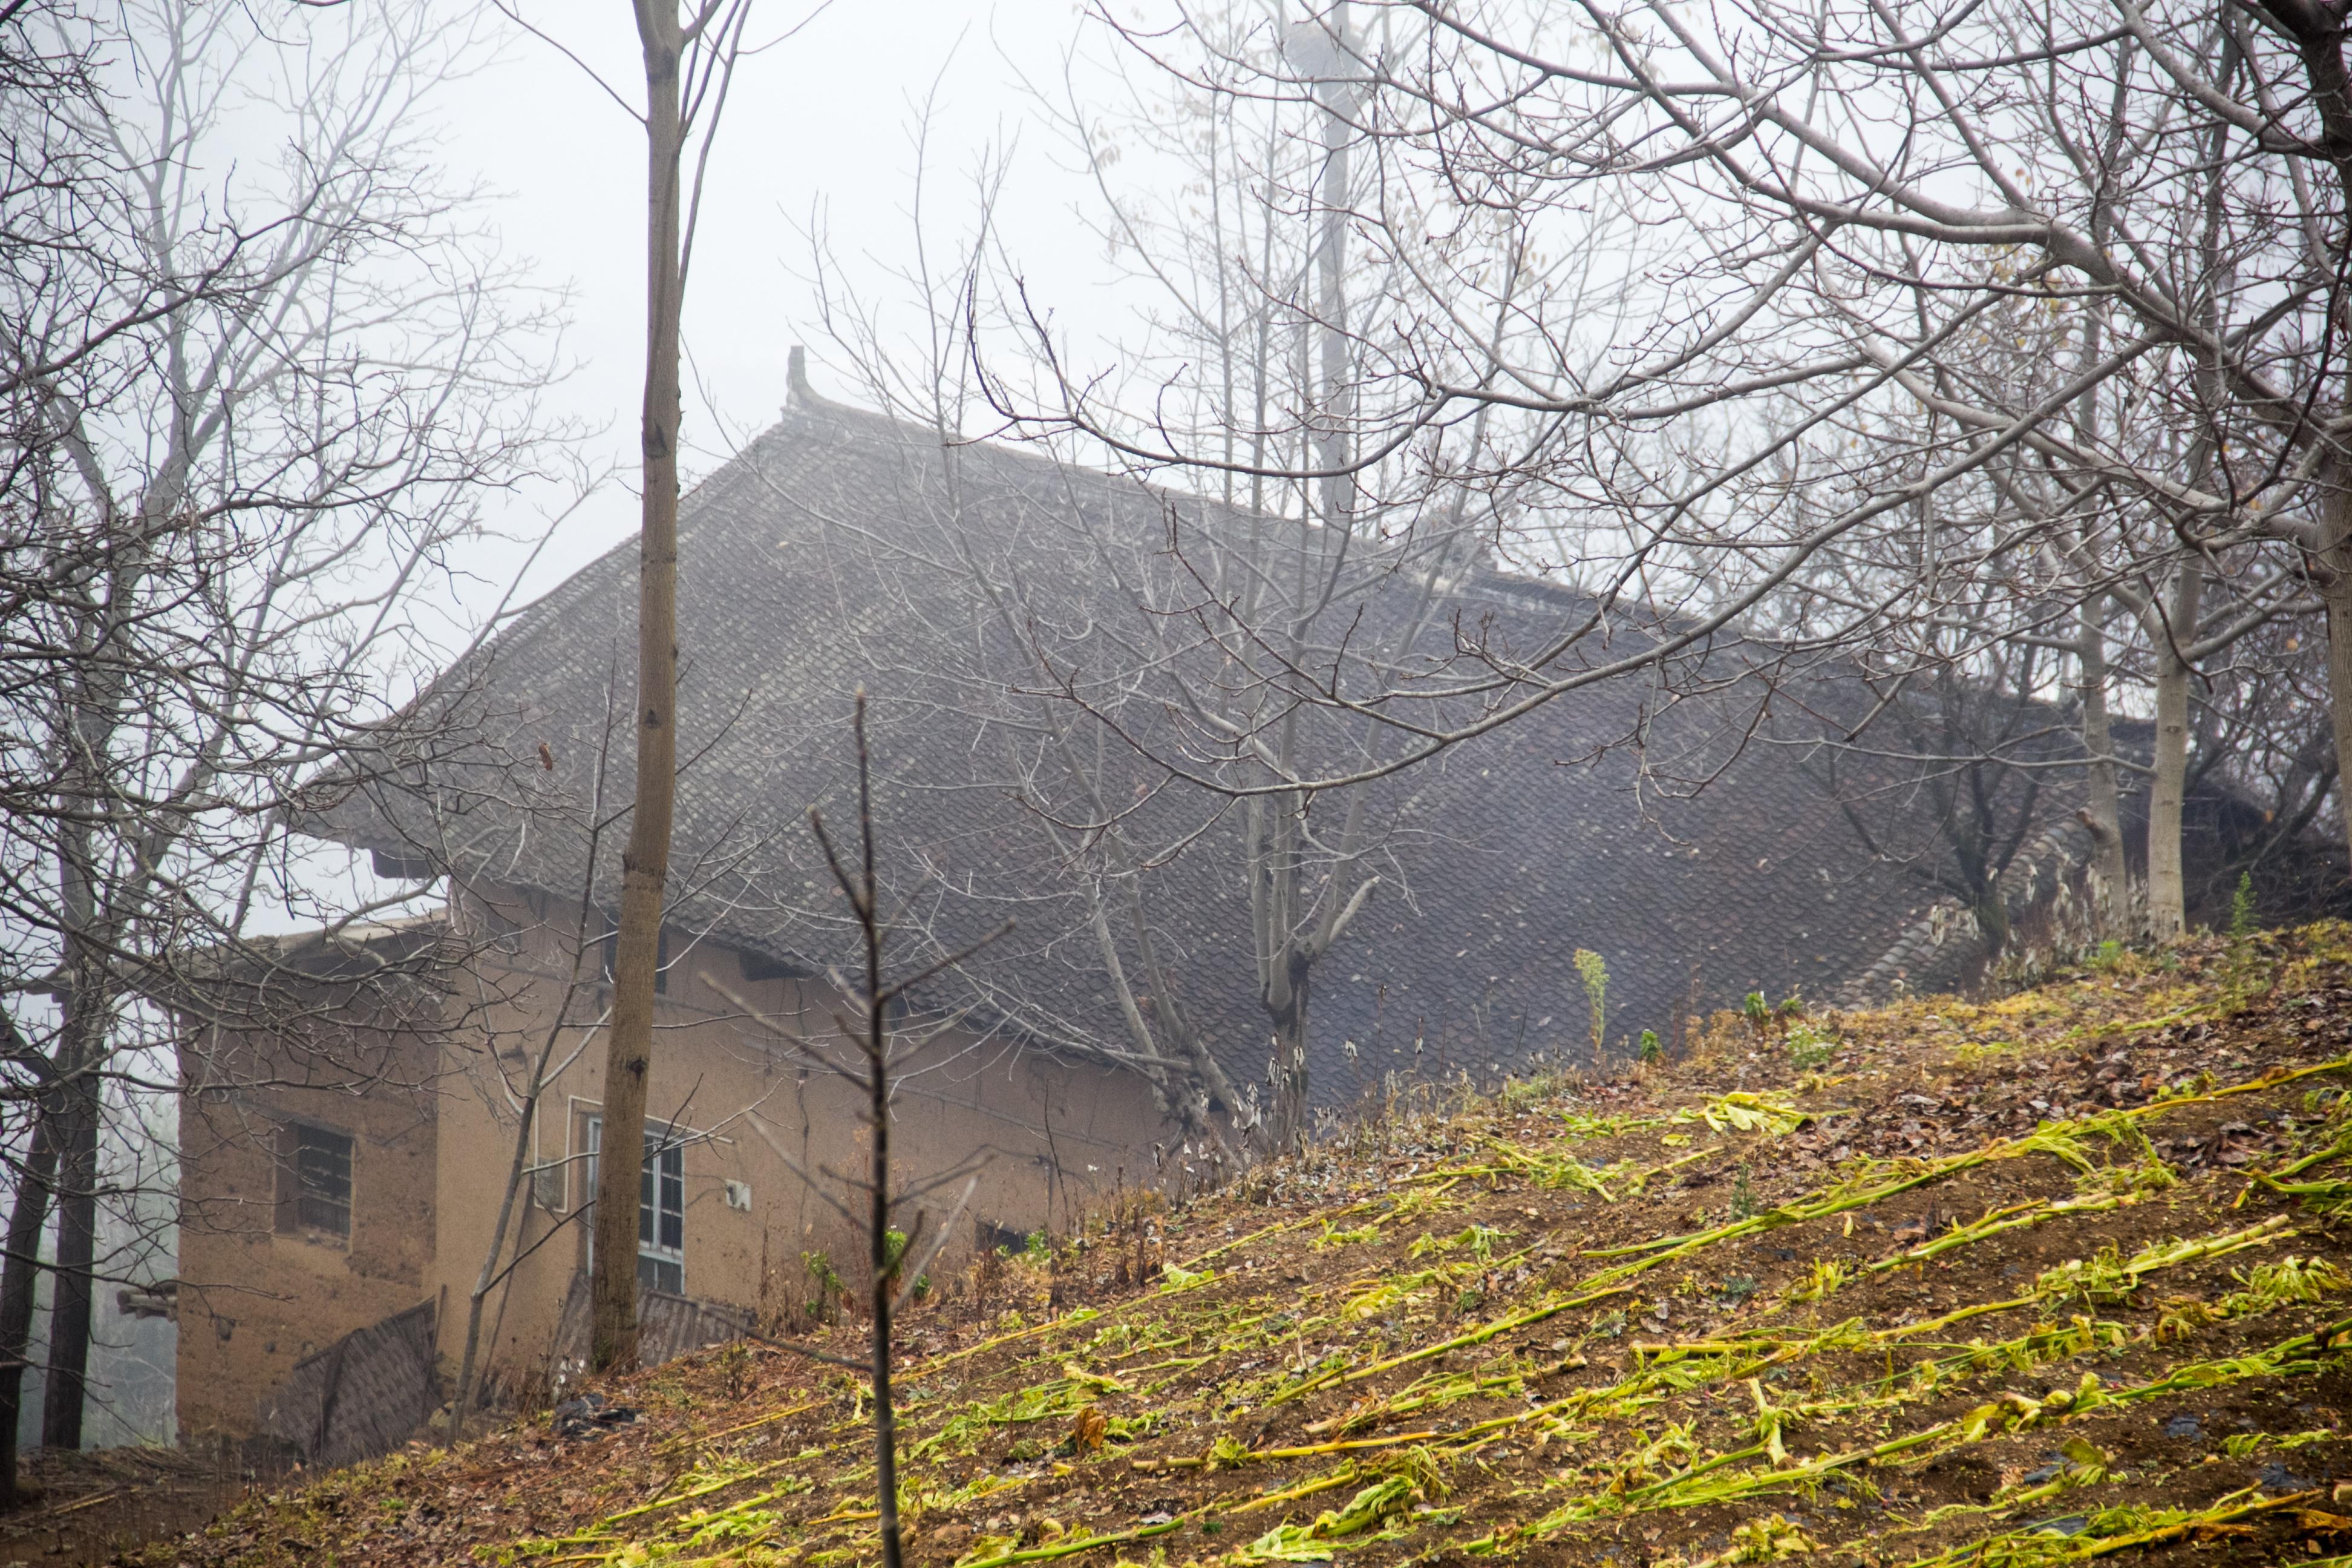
x: 2167, y: 902
x: 2102, y: 803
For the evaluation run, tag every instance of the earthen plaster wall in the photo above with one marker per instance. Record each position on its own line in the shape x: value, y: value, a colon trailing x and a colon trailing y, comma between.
x: 254, y: 1298
x: 755, y: 1100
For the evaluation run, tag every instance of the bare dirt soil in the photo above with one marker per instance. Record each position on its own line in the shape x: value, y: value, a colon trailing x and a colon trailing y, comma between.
x: 2051, y: 1278
x: 86, y: 1508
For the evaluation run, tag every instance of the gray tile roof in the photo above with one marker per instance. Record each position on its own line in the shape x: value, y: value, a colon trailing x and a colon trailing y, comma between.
x: 832, y: 555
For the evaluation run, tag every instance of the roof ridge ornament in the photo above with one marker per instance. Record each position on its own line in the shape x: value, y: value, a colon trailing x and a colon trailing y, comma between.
x: 797, y: 390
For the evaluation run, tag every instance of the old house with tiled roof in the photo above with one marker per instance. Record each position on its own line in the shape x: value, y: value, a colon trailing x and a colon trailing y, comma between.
x: 841, y: 551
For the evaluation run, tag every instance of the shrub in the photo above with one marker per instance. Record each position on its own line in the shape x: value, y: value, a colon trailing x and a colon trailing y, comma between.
x: 1809, y: 1048
x: 1594, y: 972
x: 2244, y: 970
x: 2241, y: 908
x: 894, y: 1244
x: 830, y: 1287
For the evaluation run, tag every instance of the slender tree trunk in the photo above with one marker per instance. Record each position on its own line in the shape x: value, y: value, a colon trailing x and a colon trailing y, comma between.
x: 2167, y: 899
x: 644, y: 864
x: 2335, y: 559
x: 886, y: 1420
x: 1286, y: 965
x: 64, y: 1394
x: 864, y: 895
x: 71, y: 1098
x: 2103, y: 808
x: 1331, y: 262
x: 488, y: 1279
x: 20, y: 1272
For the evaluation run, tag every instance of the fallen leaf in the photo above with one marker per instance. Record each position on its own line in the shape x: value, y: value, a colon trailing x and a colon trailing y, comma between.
x: 1087, y: 1431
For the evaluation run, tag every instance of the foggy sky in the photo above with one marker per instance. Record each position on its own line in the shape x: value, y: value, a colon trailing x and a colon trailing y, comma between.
x: 822, y: 123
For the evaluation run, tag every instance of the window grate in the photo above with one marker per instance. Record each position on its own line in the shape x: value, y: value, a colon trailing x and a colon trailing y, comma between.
x: 316, y: 1197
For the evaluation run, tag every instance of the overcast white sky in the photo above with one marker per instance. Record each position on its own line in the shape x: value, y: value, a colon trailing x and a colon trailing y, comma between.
x: 822, y: 123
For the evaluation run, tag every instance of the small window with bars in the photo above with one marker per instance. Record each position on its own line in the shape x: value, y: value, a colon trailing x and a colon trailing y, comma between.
x: 314, y: 1184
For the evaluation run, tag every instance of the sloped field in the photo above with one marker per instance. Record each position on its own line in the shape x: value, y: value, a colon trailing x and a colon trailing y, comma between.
x: 2021, y: 1285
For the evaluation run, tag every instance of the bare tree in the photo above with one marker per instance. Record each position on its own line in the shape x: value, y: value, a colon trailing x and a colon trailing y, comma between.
x: 2003, y: 570
x: 1282, y: 558
x: 2021, y: 161
x: 1799, y: 365
x: 876, y: 1070
x: 543, y: 1069
x: 877, y: 1058
x: 1952, y: 766
x: 249, y: 409
x: 689, y: 63
x: 533, y: 1022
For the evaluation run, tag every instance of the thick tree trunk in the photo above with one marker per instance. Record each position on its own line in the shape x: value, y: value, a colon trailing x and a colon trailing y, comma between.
x: 70, y: 1099
x: 63, y: 1395
x: 20, y: 1273
x: 1288, y: 1049
x: 2166, y: 914
x: 644, y: 864
x: 2166, y: 901
x: 1991, y: 912
x: 2103, y: 806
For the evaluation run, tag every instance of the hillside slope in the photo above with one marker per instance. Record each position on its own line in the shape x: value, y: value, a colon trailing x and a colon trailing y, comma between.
x: 2015, y: 1285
